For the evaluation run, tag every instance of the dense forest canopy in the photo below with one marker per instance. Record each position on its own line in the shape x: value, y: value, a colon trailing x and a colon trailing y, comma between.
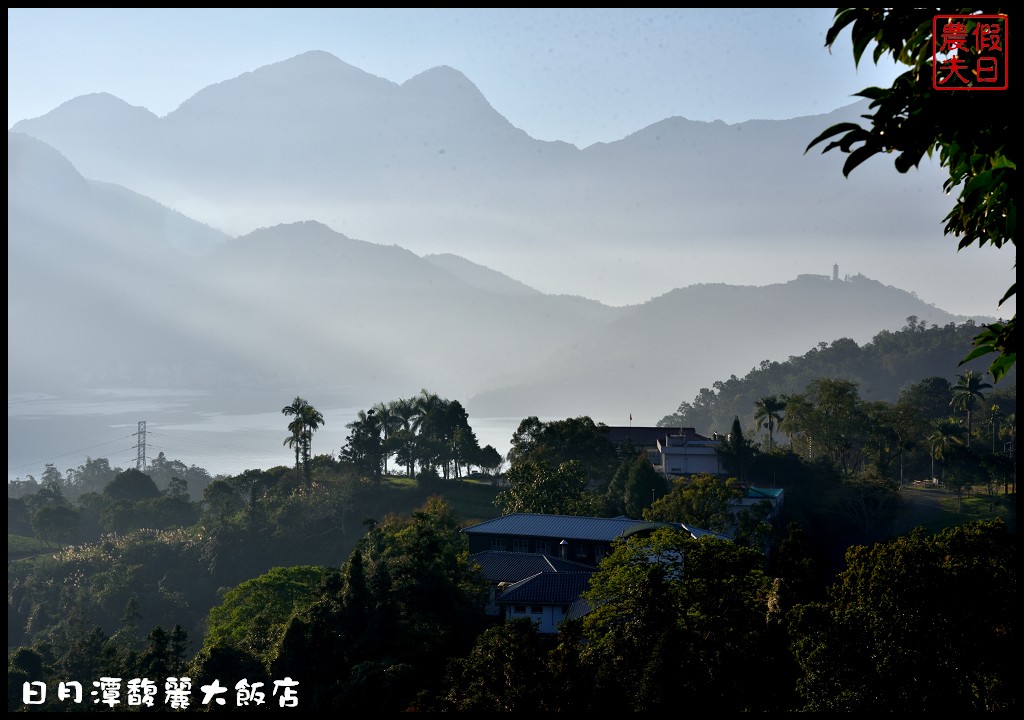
x: 882, y: 369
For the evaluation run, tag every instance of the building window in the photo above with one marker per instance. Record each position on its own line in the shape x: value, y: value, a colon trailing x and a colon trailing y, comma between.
x: 581, y: 550
x: 520, y: 546
x: 519, y: 609
x: 536, y: 609
x: 543, y: 546
x: 498, y: 544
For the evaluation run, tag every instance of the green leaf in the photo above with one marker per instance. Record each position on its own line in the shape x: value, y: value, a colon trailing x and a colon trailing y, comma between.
x: 1001, y: 366
x: 856, y: 158
x: 834, y: 130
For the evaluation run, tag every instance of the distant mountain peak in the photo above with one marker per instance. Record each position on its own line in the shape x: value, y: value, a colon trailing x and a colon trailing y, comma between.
x: 442, y: 79
x: 318, y: 61
x: 317, y: 56
x: 298, y: 83
x: 298, y: 229
x: 99, y: 108
x: 445, y: 73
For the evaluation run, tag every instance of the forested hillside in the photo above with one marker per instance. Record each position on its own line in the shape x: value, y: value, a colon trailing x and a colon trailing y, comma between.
x: 882, y: 369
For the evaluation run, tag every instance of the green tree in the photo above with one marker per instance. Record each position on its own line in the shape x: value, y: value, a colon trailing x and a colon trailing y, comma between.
x: 490, y: 459
x: 426, y: 423
x: 635, y: 487
x: 676, y: 621
x: 966, y: 392
x: 48, y: 494
x: 51, y: 475
x: 178, y: 488
x: 559, y: 441
x: 94, y: 475
x: 294, y: 441
x: 768, y: 413
x: 254, y: 615
x: 889, y: 435
x: 962, y: 470
x: 736, y: 451
x: 830, y: 418
x: 538, y: 488
x: 525, y: 439
x: 364, y: 446
x: 58, y: 523
x: 132, y: 485
x: 945, y: 436
x: 222, y: 500
x: 930, y: 398
x: 971, y: 132
x: 164, y: 653
x: 390, y: 422
x: 306, y: 419
x: 702, y: 501
x: 312, y: 419
x: 404, y: 438
x: 413, y: 599
x: 504, y: 672
x: 296, y: 427
x: 466, y: 448
x: 922, y: 623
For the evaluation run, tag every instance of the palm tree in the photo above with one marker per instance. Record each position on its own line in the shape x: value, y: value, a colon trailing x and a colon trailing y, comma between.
x: 427, y: 403
x: 389, y: 419
x: 946, y: 435
x: 405, y: 436
x: 429, y: 407
x: 311, y: 419
x: 767, y: 413
x: 967, y: 390
x: 294, y: 440
x: 296, y: 426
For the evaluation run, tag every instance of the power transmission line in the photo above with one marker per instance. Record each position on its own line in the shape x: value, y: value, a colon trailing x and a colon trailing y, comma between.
x: 73, y: 452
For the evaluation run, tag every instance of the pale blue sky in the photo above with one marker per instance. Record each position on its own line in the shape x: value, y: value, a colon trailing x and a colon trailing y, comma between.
x: 580, y: 75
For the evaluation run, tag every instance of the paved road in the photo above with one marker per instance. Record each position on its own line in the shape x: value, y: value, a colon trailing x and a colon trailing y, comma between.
x: 921, y: 504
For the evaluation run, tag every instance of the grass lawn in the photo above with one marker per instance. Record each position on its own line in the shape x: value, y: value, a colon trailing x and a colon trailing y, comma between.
x: 471, y: 500
x: 979, y: 505
x: 20, y: 546
x: 936, y: 508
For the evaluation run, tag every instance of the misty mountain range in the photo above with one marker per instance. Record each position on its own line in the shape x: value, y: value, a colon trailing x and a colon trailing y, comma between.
x: 280, y: 231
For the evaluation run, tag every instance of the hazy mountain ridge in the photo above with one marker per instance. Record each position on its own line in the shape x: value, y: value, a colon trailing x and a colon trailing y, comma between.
x: 302, y: 304
x: 296, y: 302
x: 431, y: 166
x: 481, y: 277
x: 653, y: 353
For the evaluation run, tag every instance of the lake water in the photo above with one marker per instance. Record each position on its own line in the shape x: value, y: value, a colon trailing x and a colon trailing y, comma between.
x: 223, y: 435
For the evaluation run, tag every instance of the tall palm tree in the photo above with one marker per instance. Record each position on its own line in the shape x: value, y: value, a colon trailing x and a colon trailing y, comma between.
x: 429, y: 407
x: 966, y: 392
x: 296, y: 427
x: 390, y: 421
x: 426, y: 403
x: 294, y: 440
x: 405, y: 440
x: 311, y: 419
x: 767, y: 413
